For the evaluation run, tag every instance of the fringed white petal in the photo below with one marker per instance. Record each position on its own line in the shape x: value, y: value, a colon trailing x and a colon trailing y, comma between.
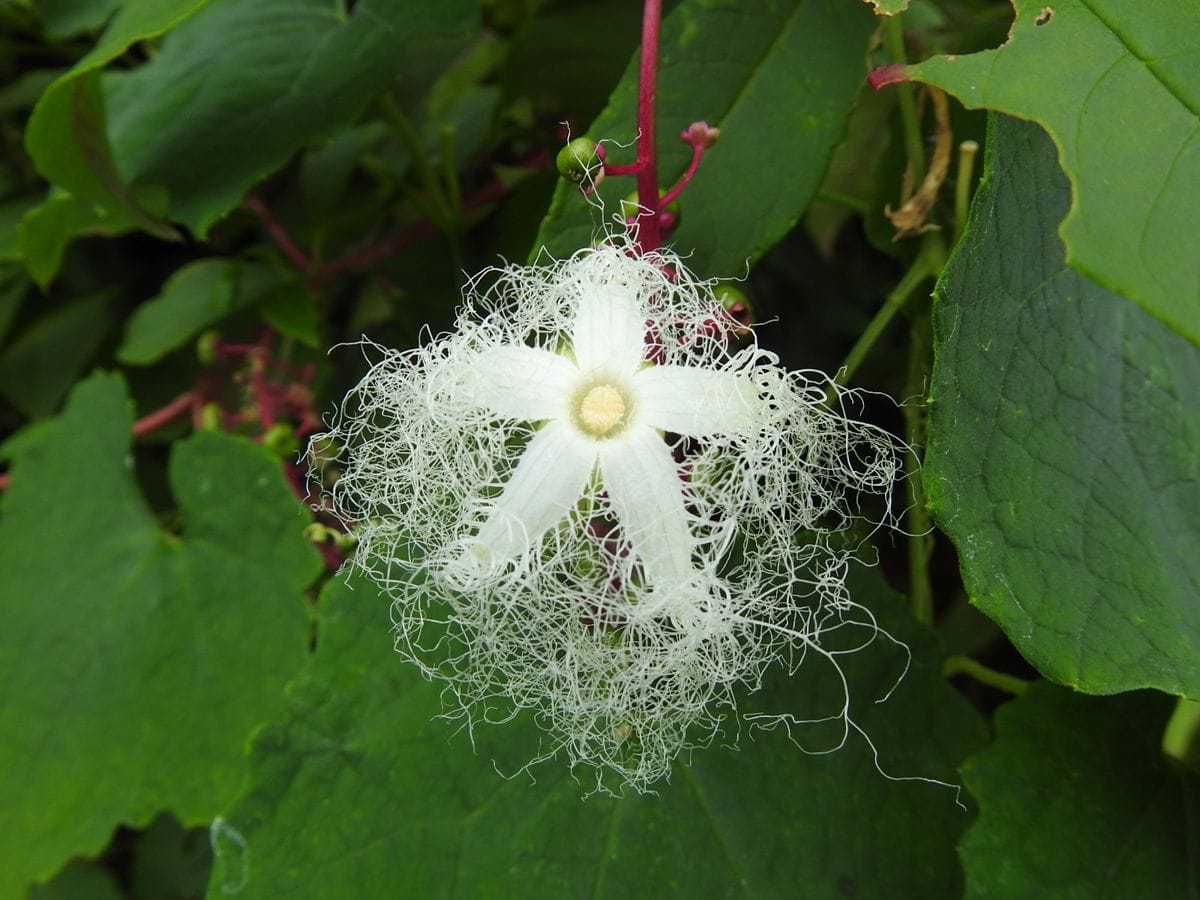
x: 643, y: 484
x: 515, y: 382
x: 544, y: 487
x: 609, y: 332
x: 697, y: 402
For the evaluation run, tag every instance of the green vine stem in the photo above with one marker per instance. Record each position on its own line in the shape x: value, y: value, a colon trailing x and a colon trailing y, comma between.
x: 926, y: 265
x: 893, y: 40
x: 1001, y: 681
x: 967, y: 151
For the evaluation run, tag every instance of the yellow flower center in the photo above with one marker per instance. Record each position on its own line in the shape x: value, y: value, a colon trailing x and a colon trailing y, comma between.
x: 602, y: 411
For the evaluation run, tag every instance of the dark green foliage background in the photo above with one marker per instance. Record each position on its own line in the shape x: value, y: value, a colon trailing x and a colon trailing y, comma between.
x: 197, y: 195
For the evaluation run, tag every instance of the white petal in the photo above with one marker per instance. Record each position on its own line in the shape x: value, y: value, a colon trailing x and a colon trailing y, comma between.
x: 516, y: 382
x: 609, y: 331
x: 642, y: 480
x: 546, y: 484
x: 696, y: 402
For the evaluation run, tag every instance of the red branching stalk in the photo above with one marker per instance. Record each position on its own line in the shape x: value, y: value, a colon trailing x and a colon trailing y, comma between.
x: 648, y: 232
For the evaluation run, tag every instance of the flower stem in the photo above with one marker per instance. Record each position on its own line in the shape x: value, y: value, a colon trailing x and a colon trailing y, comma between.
x: 669, y: 196
x: 648, y: 236
x: 1002, y: 681
x: 967, y: 151
x: 921, y: 269
x: 893, y: 39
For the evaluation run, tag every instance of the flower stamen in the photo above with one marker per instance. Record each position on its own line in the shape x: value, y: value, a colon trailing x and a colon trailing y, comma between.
x: 603, y: 411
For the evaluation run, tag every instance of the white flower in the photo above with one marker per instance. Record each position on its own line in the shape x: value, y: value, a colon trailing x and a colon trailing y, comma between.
x: 584, y: 503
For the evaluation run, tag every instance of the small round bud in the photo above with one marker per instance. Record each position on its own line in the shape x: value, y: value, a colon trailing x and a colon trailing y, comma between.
x: 210, y: 417
x: 281, y: 440
x: 206, y: 348
x: 737, y: 304
x: 578, y: 161
x: 670, y: 214
x: 700, y: 134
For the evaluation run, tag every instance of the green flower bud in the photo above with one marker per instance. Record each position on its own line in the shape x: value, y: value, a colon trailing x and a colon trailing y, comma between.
x: 578, y: 160
x: 281, y: 440
x: 206, y: 348
x: 630, y: 207
x: 210, y: 417
x: 736, y: 303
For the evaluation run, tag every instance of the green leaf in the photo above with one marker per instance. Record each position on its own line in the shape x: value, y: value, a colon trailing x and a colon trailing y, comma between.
x: 170, y: 863
x: 259, y: 81
x: 47, y: 229
x: 778, y: 78
x: 14, y: 286
x: 392, y: 801
x: 63, y: 19
x: 79, y: 881
x: 1077, y: 801
x: 1114, y: 82
x: 291, y: 310
x: 43, y: 361
x: 196, y: 296
x: 66, y: 135
x: 135, y: 662
x: 1064, y: 455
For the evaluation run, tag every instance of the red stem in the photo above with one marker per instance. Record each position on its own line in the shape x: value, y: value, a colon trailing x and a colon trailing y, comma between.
x: 160, y: 417
x: 279, y: 234
x: 648, y: 236
x: 697, y: 152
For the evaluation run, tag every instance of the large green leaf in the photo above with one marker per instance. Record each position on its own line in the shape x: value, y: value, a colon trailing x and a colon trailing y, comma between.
x: 778, y: 77
x: 1115, y: 83
x: 361, y: 792
x: 259, y: 79
x: 134, y: 662
x: 1076, y: 800
x: 66, y: 135
x: 1064, y: 455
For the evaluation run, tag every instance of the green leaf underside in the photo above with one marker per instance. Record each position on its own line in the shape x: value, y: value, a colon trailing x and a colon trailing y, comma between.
x: 1064, y: 456
x: 361, y: 792
x: 134, y: 663
x: 778, y: 78
x: 259, y: 81
x: 1077, y: 801
x: 1115, y: 83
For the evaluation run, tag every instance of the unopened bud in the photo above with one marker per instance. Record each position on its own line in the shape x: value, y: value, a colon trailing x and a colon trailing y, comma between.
x: 210, y: 417
x: 281, y: 440
x: 700, y: 134
x: 737, y: 304
x: 579, y: 162
x: 206, y: 348
x: 670, y: 214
